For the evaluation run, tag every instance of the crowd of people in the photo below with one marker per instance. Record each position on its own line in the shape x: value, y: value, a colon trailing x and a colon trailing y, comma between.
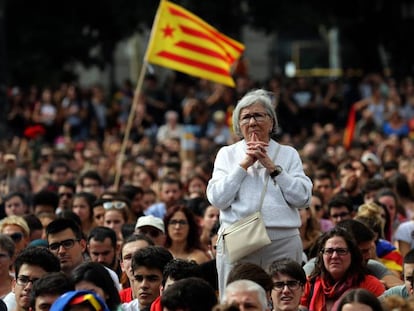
x: 200, y: 157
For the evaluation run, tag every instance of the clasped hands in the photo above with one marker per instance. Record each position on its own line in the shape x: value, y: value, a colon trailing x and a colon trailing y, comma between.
x: 256, y: 151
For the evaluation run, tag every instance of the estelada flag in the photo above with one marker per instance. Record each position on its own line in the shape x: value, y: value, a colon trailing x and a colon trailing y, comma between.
x: 182, y: 41
x: 350, y: 128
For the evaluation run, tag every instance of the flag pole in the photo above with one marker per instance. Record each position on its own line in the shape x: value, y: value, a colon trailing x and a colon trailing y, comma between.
x: 130, y: 121
x: 131, y: 115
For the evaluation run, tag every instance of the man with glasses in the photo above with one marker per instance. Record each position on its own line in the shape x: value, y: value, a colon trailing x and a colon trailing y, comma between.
x: 30, y: 265
x: 17, y: 229
x: 65, y: 241
x: 153, y: 227
x: 289, y: 280
x: 340, y: 208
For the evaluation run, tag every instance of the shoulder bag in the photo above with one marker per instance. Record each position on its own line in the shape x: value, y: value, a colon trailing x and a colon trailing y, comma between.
x: 248, y: 234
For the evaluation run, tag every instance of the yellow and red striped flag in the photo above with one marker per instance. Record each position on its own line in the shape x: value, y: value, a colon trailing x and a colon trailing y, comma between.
x: 182, y: 41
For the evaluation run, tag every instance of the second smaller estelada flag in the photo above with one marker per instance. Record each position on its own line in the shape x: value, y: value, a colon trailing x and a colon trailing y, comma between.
x: 184, y: 42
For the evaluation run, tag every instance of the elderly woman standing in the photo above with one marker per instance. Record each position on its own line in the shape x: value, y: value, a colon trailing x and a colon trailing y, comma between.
x: 241, y: 172
x: 339, y: 267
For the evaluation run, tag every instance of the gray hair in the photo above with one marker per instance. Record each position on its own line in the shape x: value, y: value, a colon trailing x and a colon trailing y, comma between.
x: 246, y: 286
x: 256, y: 96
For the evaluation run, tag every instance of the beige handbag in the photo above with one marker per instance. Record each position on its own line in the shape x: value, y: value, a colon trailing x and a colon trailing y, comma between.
x: 245, y: 237
x: 248, y: 234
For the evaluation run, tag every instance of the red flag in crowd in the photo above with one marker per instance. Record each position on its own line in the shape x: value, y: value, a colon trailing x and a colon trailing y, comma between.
x: 350, y: 128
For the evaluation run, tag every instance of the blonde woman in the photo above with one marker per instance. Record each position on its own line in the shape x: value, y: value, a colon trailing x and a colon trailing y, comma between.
x: 371, y: 214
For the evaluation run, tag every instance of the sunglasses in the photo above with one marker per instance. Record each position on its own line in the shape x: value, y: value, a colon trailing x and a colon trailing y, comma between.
x: 114, y: 204
x: 153, y: 233
x: 16, y: 237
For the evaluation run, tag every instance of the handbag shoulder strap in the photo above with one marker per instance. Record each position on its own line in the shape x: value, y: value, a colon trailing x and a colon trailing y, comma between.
x: 267, y: 178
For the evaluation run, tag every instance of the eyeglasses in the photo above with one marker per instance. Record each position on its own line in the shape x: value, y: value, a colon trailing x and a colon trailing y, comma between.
x: 153, y: 233
x: 114, y: 204
x: 174, y: 222
x: 331, y: 251
x: 66, y: 194
x: 340, y: 215
x: 67, y: 244
x: 292, y: 285
x: 16, y: 237
x: 23, y: 280
x: 258, y: 117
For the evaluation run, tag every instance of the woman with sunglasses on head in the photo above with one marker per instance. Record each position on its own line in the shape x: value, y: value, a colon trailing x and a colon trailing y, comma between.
x: 339, y: 267
x: 183, y: 235
x: 83, y: 207
x: 116, y: 215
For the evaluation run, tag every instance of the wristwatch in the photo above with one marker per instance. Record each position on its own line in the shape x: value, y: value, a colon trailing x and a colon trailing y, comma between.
x: 278, y: 169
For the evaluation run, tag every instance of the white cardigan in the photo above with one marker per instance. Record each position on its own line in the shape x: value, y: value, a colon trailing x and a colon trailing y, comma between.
x: 237, y: 192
